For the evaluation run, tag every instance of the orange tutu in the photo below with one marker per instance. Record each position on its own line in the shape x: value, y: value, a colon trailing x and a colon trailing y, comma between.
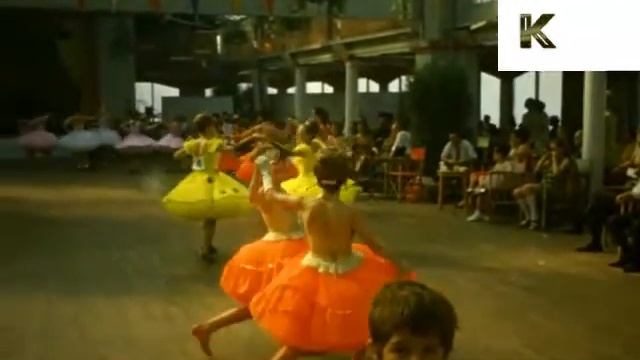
x: 229, y: 162
x: 316, y: 311
x: 256, y: 264
x: 245, y: 170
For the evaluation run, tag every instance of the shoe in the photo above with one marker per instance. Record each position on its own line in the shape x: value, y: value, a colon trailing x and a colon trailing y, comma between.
x: 477, y: 216
x: 618, y: 264
x: 631, y: 268
x: 534, y: 226
x: 590, y: 248
x: 208, y: 254
x: 524, y: 223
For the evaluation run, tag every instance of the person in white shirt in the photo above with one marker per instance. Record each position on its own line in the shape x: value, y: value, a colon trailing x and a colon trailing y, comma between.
x: 402, y: 143
x: 458, y: 152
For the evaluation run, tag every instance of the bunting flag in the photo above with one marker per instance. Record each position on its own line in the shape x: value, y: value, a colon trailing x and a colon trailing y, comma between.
x: 236, y: 6
x: 270, y: 4
x: 82, y: 4
x: 156, y: 5
x: 195, y: 5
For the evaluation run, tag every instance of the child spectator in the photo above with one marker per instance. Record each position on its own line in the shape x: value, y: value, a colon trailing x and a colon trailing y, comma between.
x: 495, y: 179
x: 408, y: 320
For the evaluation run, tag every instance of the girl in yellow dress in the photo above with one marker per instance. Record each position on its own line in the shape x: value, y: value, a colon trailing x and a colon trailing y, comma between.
x: 206, y: 194
x: 304, y: 159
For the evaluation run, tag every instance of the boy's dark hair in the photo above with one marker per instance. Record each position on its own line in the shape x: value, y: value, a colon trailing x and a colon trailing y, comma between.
x: 413, y: 307
x: 332, y: 169
x: 202, y: 122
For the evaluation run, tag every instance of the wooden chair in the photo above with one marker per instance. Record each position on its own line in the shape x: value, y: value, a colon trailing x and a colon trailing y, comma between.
x: 405, y: 170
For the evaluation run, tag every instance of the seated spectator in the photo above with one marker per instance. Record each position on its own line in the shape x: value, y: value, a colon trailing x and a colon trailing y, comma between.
x: 521, y: 153
x: 402, y: 142
x: 408, y: 320
x: 384, y: 129
x: 625, y: 233
x: 628, y: 168
x: 479, y: 191
x: 458, y: 153
x: 556, y: 166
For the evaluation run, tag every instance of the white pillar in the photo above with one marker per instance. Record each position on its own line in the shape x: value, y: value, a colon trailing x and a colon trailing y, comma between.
x: 594, y: 107
x: 301, y: 93
x: 256, y: 86
x: 351, y: 97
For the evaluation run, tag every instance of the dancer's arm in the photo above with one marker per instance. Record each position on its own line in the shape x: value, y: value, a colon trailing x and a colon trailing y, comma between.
x: 254, y: 187
x: 180, y: 154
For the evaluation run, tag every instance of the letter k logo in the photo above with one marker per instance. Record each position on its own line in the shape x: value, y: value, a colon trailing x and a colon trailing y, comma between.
x: 528, y: 31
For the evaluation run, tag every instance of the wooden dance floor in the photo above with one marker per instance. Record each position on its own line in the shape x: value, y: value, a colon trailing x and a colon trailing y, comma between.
x: 91, y: 267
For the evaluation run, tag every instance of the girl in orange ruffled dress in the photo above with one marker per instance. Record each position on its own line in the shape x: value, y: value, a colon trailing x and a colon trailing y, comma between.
x: 319, y: 302
x: 256, y: 263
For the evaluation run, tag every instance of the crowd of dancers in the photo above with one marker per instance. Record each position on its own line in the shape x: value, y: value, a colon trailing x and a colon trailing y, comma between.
x: 87, y: 136
x: 305, y: 282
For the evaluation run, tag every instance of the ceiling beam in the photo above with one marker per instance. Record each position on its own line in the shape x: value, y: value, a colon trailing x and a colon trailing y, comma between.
x: 375, y: 9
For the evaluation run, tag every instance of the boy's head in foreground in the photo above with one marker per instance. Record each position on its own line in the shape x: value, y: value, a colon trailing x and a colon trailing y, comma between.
x: 410, y: 321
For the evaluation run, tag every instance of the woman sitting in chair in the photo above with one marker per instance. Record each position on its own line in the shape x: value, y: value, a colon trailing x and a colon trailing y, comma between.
x: 556, y: 170
x: 494, y: 179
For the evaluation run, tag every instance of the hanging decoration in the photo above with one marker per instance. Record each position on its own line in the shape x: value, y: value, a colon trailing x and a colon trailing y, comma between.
x: 195, y: 6
x: 236, y: 6
x: 270, y: 4
x: 156, y: 5
x: 82, y: 4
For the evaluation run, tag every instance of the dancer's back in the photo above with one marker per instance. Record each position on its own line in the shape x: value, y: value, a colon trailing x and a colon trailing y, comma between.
x: 329, y: 225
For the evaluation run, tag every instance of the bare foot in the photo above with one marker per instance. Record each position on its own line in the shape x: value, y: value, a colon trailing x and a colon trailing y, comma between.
x: 203, y: 335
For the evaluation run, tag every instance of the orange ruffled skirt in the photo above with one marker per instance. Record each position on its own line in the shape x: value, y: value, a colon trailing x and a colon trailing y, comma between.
x: 322, y: 312
x: 256, y: 264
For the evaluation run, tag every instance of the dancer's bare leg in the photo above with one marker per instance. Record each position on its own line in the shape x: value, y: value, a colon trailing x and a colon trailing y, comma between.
x: 289, y: 353
x: 204, y: 330
x: 208, y: 251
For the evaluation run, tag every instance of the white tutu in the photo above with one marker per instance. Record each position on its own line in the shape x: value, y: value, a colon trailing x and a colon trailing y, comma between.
x: 171, y: 141
x: 136, y: 142
x: 108, y: 137
x: 80, y: 141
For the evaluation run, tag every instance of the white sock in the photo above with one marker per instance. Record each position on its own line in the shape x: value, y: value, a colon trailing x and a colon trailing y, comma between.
x: 525, y: 209
x: 531, y: 202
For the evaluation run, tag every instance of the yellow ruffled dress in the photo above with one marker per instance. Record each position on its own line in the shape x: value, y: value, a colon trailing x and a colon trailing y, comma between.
x: 207, y: 193
x: 306, y: 184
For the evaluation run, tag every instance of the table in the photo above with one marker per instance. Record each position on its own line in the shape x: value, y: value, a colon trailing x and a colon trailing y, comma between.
x: 463, y: 176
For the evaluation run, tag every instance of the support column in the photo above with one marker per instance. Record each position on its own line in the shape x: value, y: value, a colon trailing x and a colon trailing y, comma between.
x: 506, y: 102
x: 257, y: 87
x: 301, y: 93
x: 116, y: 64
x: 593, y: 144
x: 351, y: 96
x: 536, y: 87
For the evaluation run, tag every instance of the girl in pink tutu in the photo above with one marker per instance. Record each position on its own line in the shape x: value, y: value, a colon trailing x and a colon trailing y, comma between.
x: 36, y: 140
x: 173, y: 141
x: 320, y: 301
x: 135, y: 144
x: 256, y: 264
